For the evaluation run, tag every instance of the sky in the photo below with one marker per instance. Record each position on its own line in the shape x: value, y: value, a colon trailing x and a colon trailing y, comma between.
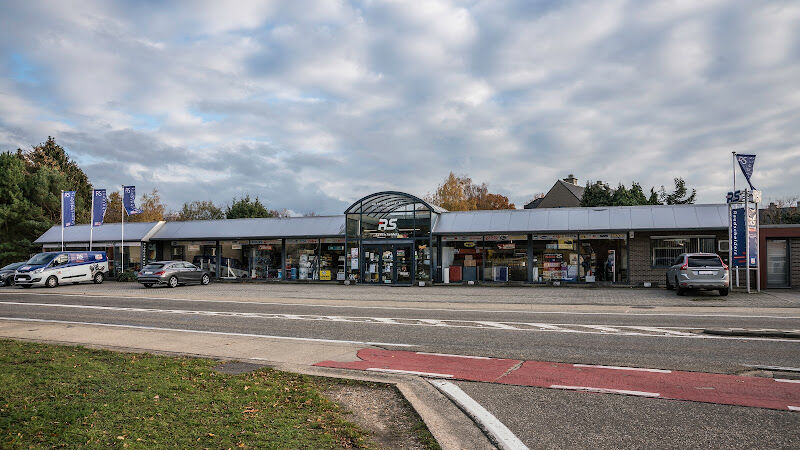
x: 313, y: 105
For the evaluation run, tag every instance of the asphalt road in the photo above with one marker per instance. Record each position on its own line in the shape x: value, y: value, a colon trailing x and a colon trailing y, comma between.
x: 540, y: 417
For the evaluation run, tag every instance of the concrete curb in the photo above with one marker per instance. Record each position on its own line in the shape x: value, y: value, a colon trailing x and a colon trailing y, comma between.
x: 765, y: 333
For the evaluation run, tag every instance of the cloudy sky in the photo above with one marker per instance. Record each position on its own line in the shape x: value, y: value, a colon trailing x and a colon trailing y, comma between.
x: 313, y: 105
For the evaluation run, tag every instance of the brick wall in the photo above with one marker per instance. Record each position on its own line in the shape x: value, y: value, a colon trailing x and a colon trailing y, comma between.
x: 641, y: 269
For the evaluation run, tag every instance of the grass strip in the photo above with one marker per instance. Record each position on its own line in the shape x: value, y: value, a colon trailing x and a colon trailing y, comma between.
x: 59, y: 396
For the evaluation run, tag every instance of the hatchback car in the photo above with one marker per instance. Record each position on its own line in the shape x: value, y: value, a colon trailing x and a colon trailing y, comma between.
x: 698, y: 271
x: 7, y: 273
x: 172, y: 273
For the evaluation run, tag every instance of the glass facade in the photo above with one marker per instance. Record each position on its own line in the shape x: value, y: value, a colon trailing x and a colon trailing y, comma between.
x: 302, y: 259
x: 506, y: 258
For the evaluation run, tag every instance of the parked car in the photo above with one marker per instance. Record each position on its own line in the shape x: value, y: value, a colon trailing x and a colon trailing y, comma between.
x: 53, y: 268
x: 7, y: 273
x: 172, y: 273
x: 698, y: 271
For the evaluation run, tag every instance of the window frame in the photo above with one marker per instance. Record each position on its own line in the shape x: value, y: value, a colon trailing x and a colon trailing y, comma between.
x: 691, y: 239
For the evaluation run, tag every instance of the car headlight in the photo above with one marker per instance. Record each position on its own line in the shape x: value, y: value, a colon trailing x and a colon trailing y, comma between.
x: 38, y: 270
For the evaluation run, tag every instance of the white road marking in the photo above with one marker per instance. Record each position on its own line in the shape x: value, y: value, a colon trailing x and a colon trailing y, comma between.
x: 624, y: 330
x: 219, y: 333
x: 453, y: 356
x: 499, y: 434
x: 778, y: 368
x: 402, y: 308
x: 640, y: 369
x: 603, y: 328
x: 410, y: 372
x: 793, y: 408
x: 606, y: 391
x: 784, y: 380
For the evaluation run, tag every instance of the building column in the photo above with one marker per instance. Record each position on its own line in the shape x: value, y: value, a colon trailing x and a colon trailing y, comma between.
x: 530, y: 259
x: 284, y: 275
x: 219, y: 259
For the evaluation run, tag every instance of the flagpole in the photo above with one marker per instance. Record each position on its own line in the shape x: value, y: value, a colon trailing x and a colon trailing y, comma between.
x: 122, y: 238
x: 91, y: 222
x: 62, y: 221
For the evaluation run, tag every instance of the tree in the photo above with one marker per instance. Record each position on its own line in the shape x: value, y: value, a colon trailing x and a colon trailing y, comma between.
x: 150, y: 205
x: 679, y: 195
x: 459, y: 193
x: 244, y: 207
x: 198, y: 210
x: 597, y: 194
x: 600, y: 194
x: 49, y: 155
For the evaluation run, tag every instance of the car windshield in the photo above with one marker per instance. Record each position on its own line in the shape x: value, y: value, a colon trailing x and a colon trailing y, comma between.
x: 12, y: 266
x: 705, y: 261
x: 153, y: 266
x: 42, y: 258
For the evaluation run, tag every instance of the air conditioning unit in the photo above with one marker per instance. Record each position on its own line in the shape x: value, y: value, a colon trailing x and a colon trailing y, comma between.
x: 723, y: 245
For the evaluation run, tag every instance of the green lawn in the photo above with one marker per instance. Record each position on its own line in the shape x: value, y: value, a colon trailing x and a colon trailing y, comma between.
x: 68, y: 396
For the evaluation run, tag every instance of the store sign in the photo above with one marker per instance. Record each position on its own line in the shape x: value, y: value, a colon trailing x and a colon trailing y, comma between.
x: 333, y: 240
x: 265, y: 241
x: 387, y: 224
x: 603, y: 236
x: 302, y: 241
x: 469, y: 244
x: 506, y: 246
x: 738, y: 196
x: 552, y: 237
x: 752, y: 235
x: 460, y: 238
x: 738, y: 236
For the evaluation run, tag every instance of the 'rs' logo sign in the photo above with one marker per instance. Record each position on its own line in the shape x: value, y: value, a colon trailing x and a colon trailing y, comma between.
x: 387, y: 224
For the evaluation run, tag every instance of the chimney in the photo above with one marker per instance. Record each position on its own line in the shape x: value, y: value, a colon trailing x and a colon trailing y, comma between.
x: 571, y: 179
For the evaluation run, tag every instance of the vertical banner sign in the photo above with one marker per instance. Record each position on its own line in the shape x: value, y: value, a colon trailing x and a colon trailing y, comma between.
x: 99, y: 205
x: 752, y: 235
x: 746, y: 162
x: 738, y: 236
x: 129, y: 200
x: 68, y: 208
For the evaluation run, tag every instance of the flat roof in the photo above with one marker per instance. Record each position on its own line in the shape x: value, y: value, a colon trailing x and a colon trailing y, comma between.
x: 224, y: 229
x: 607, y: 218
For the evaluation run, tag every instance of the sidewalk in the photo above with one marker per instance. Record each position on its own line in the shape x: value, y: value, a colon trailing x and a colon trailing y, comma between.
x: 463, y: 296
x: 451, y: 427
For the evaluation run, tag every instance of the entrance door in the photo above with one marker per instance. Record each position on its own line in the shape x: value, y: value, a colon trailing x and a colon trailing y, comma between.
x: 387, y: 263
x: 777, y: 263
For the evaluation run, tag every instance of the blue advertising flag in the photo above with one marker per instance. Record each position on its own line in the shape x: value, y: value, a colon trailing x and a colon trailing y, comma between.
x: 129, y: 200
x: 746, y: 162
x: 738, y: 236
x: 99, y: 206
x: 68, y: 208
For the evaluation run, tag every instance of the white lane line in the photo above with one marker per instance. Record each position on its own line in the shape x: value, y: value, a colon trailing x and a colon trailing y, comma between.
x: 640, y: 369
x: 445, y: 323
x: 402, y: 308
x: 453, y: 356
x: 498, y: 433
x: 784, y: 380
x: 410, y: 372
x: 778, y: 368
x: 219, y: 333
x: 793, y: 408
x: 606, y: 391
x: 603, y: 328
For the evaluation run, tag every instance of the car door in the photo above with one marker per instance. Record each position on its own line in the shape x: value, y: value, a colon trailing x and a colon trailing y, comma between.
x: 60, y: 268
x: 192, y: 272
x: 673, y: 269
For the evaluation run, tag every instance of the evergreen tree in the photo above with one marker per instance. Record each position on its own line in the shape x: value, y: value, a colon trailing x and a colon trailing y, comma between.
x: 244, y: 207
x: 679, y: 195
x: 597, y: 194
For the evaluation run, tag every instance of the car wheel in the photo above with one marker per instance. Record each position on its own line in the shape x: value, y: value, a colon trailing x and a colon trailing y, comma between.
x: 52, y: 282
x: 98, y: 278
x: 205, y: 280
x: 148, y: 285
x: 173, y: 282
x: 723, y: 292
x: 669, y: 285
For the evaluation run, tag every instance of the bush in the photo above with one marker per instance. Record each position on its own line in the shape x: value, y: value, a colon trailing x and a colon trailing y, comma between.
x: 127, y: 276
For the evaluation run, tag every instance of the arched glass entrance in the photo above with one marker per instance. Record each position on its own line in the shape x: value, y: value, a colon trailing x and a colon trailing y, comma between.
x: 388, y: 237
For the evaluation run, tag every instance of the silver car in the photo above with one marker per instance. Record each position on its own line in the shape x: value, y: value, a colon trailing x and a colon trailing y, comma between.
x: 172, y: 273
x: 698, y: 271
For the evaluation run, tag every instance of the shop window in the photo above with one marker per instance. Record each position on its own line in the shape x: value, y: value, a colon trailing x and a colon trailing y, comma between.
x: 423, y: 260
x: 264, y: 259
x: 506, y: 258
x: 332, y: 260
x: 462, y: 258
x: 301, y: 259
x: 664, y: 249
x: 603, y: 257
x: 234, y: 263
x: 555, y: 258
x: 352, y: 262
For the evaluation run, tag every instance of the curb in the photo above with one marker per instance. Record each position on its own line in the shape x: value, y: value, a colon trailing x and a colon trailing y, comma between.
x: 766, y: 333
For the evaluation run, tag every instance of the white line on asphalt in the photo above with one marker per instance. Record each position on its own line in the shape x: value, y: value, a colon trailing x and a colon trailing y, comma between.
x: 410, y: 372
x: 404, y: 308
x: 220, y: 333
x: 453, y: 356
x: 784, y: 380
x: 499, y: 434
x: 793, y: 408
x: 606, y: 391
x: 778, y: 368
x: 640, y: 369
x: 603, y: 328
x: 449, y: 323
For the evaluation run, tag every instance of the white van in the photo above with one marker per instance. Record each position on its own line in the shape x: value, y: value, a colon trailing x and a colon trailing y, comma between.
x: 53, y: 268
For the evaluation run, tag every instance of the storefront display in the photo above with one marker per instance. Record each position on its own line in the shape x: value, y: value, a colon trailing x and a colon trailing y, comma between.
x: 301, y: 259
x: 465, y: 253
x: 332, y: 260
x: 506, y: 257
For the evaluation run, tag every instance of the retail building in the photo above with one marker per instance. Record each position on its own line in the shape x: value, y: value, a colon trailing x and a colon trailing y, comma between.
x: 397, y: 238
